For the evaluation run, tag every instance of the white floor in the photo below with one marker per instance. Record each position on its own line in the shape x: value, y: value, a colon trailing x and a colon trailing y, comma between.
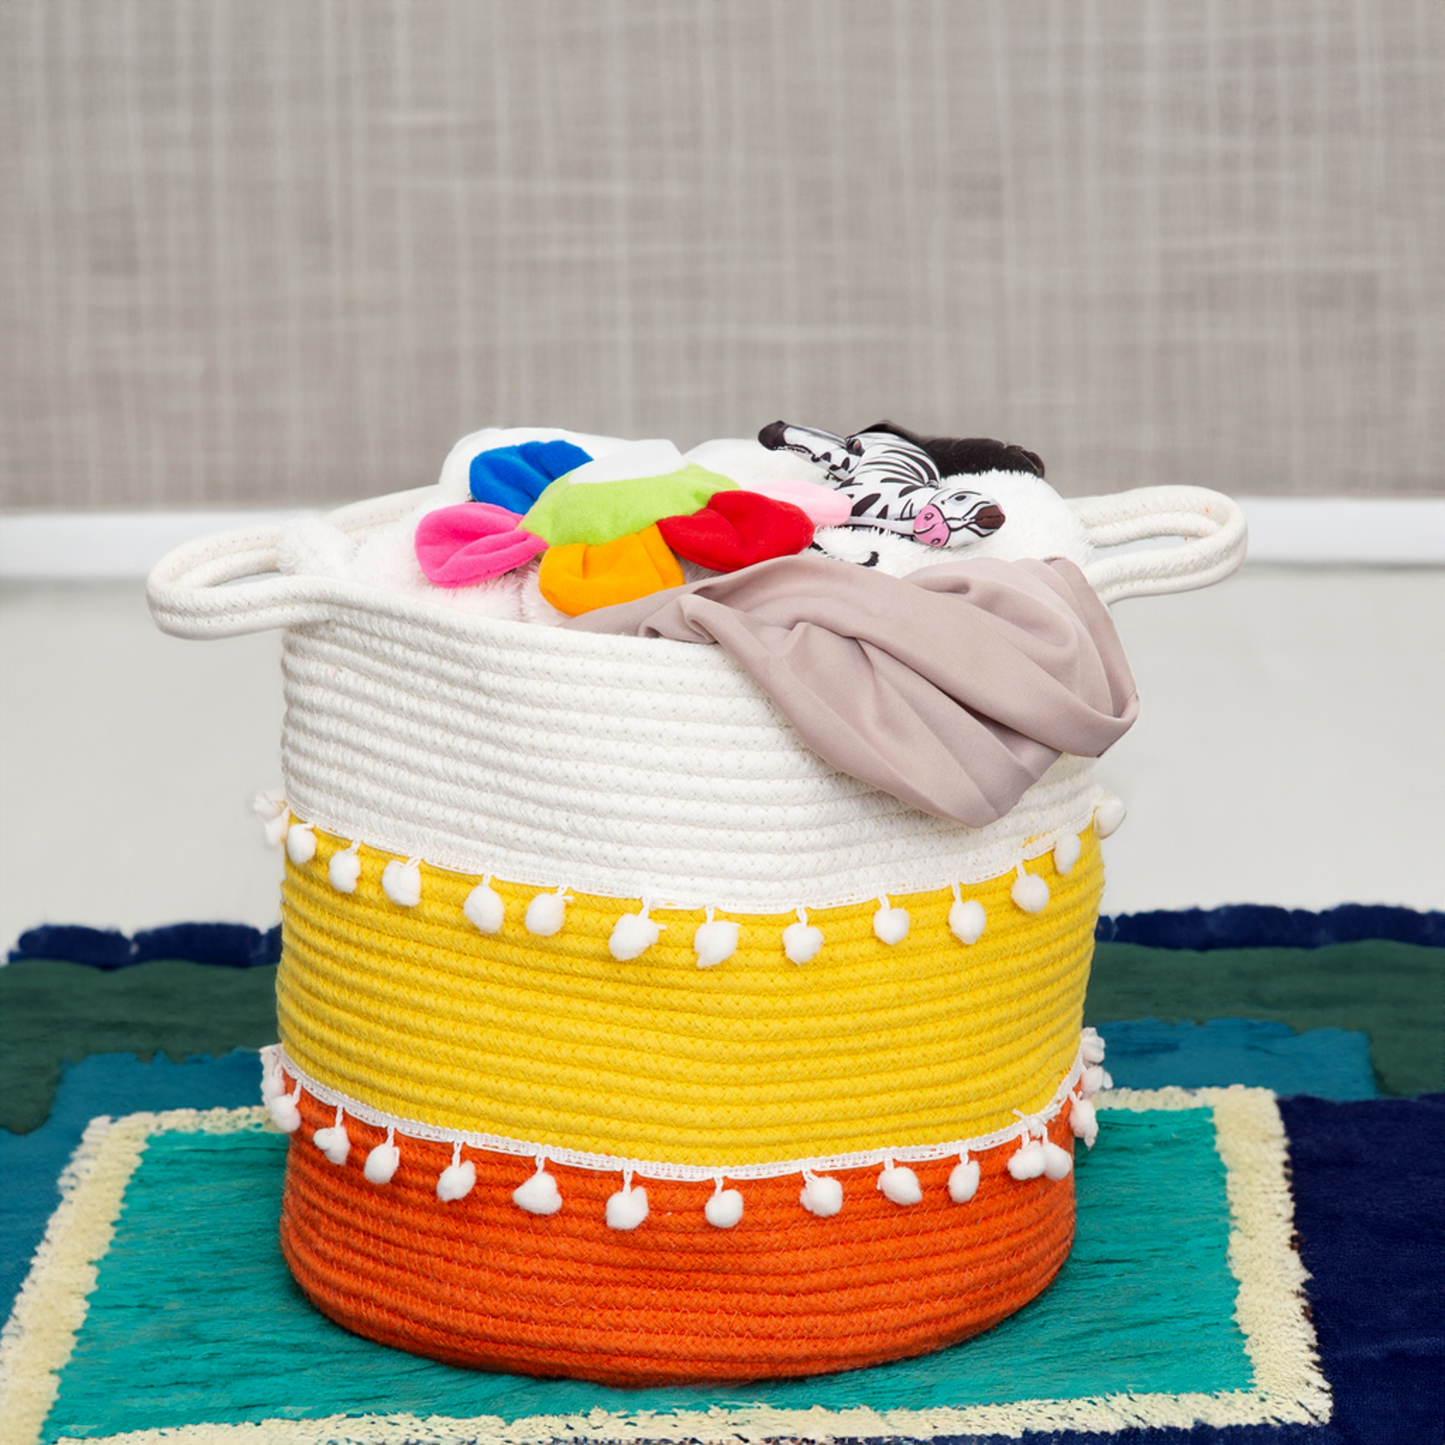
x: 1289, y: 752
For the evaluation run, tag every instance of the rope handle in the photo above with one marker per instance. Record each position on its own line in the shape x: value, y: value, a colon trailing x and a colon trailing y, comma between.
x: 1211, y: 524
x: 226, y: 584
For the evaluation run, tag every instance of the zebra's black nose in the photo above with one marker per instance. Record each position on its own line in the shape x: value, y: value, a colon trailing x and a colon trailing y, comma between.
x: 987, y: 519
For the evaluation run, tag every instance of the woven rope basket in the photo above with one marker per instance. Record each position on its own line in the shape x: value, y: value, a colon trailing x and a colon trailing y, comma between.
x: 623, y: 1038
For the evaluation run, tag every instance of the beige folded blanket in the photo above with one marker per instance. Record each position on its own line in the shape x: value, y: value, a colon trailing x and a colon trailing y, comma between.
x: 953, y: 688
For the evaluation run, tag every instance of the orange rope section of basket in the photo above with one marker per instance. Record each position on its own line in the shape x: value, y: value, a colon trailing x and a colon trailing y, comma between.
x: 478, y: 1282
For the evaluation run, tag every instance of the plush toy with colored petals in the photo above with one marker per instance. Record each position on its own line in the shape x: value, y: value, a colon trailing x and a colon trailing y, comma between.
x: 611, y: 530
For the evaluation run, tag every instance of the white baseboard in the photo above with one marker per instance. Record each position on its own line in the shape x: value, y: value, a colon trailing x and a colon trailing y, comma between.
x: 1311, y: 532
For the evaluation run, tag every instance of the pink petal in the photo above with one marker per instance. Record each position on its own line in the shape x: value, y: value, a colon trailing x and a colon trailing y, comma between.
x: 459, y: 546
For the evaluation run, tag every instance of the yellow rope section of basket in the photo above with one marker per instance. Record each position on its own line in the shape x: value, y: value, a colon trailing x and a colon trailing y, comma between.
x: 414, y: 1012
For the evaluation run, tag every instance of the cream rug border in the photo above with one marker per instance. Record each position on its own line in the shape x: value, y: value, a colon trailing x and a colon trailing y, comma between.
x: 1270, y: 1309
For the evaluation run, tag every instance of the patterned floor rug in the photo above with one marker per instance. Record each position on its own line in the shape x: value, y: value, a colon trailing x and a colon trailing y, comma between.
x: 1248, y: 1269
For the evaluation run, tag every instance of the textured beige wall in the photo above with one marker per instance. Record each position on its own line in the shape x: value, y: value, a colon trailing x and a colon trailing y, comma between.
x: 285, y: 251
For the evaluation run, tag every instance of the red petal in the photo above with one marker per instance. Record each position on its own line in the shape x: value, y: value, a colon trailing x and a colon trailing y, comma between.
x: 736, y: 529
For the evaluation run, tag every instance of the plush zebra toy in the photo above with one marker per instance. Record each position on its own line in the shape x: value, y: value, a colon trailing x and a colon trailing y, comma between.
x: 895, y: 484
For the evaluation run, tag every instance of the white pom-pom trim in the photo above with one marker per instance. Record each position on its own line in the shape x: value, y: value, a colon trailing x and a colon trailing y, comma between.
x: 300, y: 842
x: 802, y: 942
x: 890, y: 924
x: 1109, y: 815
x: 334, y: 1142
x: 628, y: 1207
x: 899, y: 1183
x: 1029, y: 891
x: 1091, y: 1047
x: 344, y: 870
x: 966, y: 918
x: 539, y: 1194
x: 821, y: 1194
x: 1084, y: 1121
x: 724, y: 1208
x: 458, y: 1179
x: 285, y: 1110
x: 401, y: 882
x: 1096, y: 1078
x: 1057, y: 1162
x: 1028, y: 1160
x: 484, y: 908
x: 963, y: 1182
x: 547, y: 912
x: 383, y: 1161
x: 270, y: 805
x: 632, y: 935
x: 1067, y: 851
x: 715, y: 941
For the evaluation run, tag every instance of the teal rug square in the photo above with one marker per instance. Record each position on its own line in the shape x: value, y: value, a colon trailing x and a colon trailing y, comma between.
x: 191, y: 1321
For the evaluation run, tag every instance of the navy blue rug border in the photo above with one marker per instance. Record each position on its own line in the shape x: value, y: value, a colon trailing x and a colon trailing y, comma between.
x: 1237, y: 925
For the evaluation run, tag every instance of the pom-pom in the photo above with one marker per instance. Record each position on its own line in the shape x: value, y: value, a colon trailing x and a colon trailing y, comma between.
x: 1084, y: 1121
x: 1067, y: 851
x: 344, y: 870
x: 383, y: 1161
x: 1030, y: 892
x: 724, y: 1209
x: 899, y: 1183
x: 285, y: 1111
x: 401, y: 882
x: 546, y: 913
x: 1109, y: 815
x: 539, y: 1194
x: 821, y: 1195
x: 1058, y: 1163
x: 963, y: 1182
x: 1091, y: 1046
x: 628, y: 1207
x: 301, y: 843
x: 632, y: 935
x: 714, y: 941
x: 273, y: 1083
x: 1028, y: 1161
x: 890, y: 924
x: 334, y: 1142
x: 1095, y: 1079
x: 484, y: 908
x: 270, y: 805
x: 966, y: 920
x: 457, y: 1180
x: 801, y: 940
